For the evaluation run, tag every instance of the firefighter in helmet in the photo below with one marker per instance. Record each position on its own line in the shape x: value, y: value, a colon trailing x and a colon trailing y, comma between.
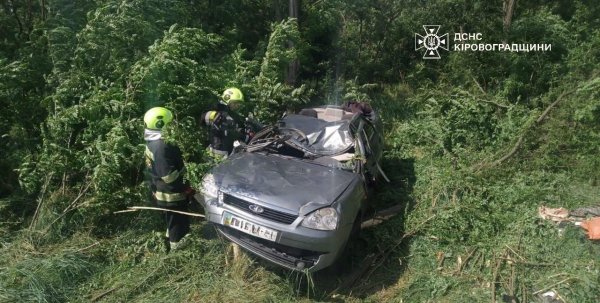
x: 225, y: 124
x: 166, y: 168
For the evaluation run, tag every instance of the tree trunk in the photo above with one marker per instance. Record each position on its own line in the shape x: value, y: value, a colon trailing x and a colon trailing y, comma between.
x: 294, y: 66
x: 278, y: 14
x: 43, y: 9
x: 509, y: 8
x: 10, y: 7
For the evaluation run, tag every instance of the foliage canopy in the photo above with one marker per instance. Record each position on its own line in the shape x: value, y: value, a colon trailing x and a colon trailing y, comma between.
x: 475, y: 142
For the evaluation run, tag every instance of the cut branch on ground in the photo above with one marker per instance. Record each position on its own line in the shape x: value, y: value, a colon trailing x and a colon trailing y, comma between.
x: 521, y: 138
x: 136, y: 208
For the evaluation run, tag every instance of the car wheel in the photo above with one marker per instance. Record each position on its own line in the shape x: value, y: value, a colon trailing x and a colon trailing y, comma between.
x: 343, y: 264
x: 355, y: 232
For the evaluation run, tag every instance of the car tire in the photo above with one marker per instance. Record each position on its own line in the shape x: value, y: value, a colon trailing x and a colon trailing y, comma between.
x: 343, y: 263
x: 355, y: 232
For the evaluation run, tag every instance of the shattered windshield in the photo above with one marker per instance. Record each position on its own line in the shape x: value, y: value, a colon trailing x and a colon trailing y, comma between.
x: 304, y: 136
x: 322, y: 137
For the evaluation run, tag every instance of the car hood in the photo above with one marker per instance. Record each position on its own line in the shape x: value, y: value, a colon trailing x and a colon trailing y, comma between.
x: 287, y: 184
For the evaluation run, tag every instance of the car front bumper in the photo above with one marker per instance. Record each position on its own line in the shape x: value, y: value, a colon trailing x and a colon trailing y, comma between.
x: 295, y: 247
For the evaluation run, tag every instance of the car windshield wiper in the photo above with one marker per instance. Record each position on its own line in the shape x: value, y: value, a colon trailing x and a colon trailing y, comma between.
x: 293, y: 143
x: 264, y: 143
x: 259, y: 146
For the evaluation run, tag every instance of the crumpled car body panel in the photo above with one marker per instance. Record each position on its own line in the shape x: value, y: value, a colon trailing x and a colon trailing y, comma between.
x: 275, y: 192
x: 323, y: 137
x: 281, y: 183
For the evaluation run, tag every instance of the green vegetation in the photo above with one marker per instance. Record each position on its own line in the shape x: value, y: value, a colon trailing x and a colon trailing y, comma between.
x: 475, y: 143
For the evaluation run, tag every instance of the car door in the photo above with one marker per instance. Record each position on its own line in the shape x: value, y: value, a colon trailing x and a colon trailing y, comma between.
x: 371, y: 144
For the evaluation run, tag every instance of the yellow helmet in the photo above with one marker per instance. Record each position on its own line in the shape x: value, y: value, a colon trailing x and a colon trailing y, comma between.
x: 209, y: 117
x: 232, y: 94
x: 157, y: 117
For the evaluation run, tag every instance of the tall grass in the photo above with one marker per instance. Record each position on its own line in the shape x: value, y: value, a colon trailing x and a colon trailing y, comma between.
x: 465, y: 235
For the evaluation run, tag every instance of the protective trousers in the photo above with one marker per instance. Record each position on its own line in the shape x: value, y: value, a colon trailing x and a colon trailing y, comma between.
x: 178, y: 225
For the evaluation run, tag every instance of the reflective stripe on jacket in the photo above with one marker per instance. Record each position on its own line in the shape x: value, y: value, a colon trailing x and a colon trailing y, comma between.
x: 165, y: 164
x: 223, y: 132
x: 169, y: 197
x: 225, y: 129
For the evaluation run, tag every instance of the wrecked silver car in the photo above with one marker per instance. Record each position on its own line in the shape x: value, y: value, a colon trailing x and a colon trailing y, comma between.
x: 296, y: 193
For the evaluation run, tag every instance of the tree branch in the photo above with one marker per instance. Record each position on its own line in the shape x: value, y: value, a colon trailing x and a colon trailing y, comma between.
x: 135, y: 208
x: 512, y: 151
x: 483, y: 92
x: 519, y: 142
x: 545, y: 113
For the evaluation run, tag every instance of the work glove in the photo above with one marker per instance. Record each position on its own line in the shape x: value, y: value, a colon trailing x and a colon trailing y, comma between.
x: 237, y: 147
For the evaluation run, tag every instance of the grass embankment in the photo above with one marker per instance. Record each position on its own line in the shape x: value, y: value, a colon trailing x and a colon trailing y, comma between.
x: 469, y: 232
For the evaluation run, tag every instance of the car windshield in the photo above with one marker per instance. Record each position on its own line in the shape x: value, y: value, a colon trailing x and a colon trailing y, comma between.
x: 311, y: 136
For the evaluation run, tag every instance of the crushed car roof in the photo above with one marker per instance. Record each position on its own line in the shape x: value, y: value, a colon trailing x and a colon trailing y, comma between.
x: 323, y: 137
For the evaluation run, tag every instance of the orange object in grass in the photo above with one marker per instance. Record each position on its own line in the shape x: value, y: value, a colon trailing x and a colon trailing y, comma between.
x: 593, y: 228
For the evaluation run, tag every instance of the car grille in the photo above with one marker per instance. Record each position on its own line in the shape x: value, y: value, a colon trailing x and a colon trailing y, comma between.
x: 286, y: 256
x: 268, y: 213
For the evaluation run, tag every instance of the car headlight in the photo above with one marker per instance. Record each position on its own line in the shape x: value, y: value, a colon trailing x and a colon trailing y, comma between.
x: 209, y: 186
x: 322, y: 219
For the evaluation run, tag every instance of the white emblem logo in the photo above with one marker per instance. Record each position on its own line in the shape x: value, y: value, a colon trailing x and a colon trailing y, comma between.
x: 255, y: 208
x: 431, y: 42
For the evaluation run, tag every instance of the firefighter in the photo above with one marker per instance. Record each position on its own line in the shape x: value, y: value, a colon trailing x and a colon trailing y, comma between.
x: 225, y: 125
x: 165, y: 164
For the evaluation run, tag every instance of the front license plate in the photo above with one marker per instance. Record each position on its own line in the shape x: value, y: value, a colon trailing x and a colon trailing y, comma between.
x: 249, y: 227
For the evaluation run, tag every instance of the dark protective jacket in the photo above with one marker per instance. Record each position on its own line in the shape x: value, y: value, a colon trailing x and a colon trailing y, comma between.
x: 225, y: 130
x: 222, y: 133
x: 166, y: 168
